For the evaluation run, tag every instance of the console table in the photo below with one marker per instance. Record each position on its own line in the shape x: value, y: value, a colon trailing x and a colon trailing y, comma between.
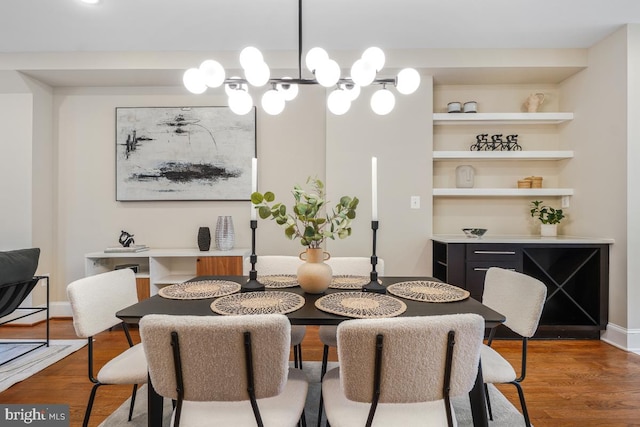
x: 160, y: 267
x: 575, y: 271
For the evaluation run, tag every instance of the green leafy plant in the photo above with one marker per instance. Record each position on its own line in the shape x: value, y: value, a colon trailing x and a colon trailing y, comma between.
x: 308, y: 222
x: 546, y: 214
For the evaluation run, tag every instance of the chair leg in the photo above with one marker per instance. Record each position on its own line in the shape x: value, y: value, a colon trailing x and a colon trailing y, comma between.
x: 325, y: 357
x: 92, y: 397
x: 297, y: 356
x: 133, y: 400
x: 486, y: 394
x: 527, y: 421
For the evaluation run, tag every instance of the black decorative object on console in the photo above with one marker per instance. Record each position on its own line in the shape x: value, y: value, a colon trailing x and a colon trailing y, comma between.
x: 204, y: 238
x: 126, y: 239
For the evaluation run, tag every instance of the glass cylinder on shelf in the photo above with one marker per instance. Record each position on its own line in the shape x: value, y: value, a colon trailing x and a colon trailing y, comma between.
x: 225, y: 235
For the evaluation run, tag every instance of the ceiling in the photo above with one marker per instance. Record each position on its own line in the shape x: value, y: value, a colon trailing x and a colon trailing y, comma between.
x: 38, y: 26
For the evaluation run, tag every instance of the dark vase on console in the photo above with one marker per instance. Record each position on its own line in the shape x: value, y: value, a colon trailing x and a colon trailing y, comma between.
x: 204, y: 238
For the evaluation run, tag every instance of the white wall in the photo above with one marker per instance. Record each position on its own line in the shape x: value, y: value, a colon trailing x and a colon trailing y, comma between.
x: 402, y: 142
x: 16, y: 184
x: 598, y: 98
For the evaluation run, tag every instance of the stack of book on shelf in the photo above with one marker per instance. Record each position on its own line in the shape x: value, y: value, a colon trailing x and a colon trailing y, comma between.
x: 132, y: 248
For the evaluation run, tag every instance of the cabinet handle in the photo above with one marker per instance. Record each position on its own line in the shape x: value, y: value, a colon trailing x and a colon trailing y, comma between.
x: 487, y: 268
x: 495, y: 252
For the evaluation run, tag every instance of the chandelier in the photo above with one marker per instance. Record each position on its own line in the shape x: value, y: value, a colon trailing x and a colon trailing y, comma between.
x: 326, y: 72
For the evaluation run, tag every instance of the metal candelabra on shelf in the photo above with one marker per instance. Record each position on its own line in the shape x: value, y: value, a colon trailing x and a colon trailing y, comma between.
x: 253, y: 284
x: 374, y: 285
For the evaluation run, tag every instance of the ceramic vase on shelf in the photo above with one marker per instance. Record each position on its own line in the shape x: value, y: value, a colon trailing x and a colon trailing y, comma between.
x: 548, y: 230
x: 225, y: 235
x: 314, y: 276
x: 204, y: 238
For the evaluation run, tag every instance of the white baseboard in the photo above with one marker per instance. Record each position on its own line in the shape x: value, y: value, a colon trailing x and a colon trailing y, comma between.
x: 60, y: 309
x: 623, y: 338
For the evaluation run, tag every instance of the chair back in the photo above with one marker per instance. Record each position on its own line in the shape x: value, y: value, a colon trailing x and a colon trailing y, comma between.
x: 96, y: 299
x: 520, y: 298
x: 355, y: 266
x: 413, y: 356
x: 275, y: 264
x: 212, y: 355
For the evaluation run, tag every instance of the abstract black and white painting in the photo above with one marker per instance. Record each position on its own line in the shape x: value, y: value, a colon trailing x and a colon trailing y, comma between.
x: 183, y: 153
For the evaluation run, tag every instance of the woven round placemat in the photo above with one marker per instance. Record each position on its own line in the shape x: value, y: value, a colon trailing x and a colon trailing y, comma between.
x: 361, y: 305
x: 278, y: 281
x: 201, y: 289
x: 428, y: 291
x: 348, y: 282
x: 259, y: 302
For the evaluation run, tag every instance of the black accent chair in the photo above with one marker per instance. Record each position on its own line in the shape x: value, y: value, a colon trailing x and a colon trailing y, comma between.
x: 17, y: 281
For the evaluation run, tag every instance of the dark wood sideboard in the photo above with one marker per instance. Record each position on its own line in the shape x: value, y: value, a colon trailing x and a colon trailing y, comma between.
x: 575, y: 270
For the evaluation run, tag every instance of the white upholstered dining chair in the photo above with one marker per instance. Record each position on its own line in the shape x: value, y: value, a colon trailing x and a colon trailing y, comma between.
x: 520, y: 298
x: 284, y: 264
x: 225, y: 370
x: 94, y: 303
x: 402, y: 371
x: 352, y: 266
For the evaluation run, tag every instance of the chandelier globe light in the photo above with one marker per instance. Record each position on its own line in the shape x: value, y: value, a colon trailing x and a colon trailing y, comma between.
x: 326, y: 72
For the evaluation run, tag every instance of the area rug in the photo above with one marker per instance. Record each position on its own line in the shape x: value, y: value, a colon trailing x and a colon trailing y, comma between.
x: 31, y: 363
x: 504, y: 413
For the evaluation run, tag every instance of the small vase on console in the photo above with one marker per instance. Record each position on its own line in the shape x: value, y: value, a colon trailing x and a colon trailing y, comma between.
x: 314, y: 276
x: 225, y: 234
x: 204, y: 238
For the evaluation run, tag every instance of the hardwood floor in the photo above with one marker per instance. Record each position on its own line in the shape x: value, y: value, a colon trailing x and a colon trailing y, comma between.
x: 569, y: 383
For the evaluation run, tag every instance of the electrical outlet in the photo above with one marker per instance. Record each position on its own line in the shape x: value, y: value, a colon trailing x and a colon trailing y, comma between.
x: 415, y: 202
x: 565, y: 202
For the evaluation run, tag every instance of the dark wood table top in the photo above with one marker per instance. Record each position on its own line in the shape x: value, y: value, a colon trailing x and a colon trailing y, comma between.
x: 308, y: 314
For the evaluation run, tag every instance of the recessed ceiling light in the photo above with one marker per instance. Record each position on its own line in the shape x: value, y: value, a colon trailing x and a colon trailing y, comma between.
x: 90, y: 1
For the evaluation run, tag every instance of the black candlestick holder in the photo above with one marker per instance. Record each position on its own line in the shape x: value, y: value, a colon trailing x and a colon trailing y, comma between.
x: 253, y: 284
x: 374, y: 285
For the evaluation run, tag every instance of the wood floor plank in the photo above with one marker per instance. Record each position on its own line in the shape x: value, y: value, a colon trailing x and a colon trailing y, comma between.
x: 570, y: 383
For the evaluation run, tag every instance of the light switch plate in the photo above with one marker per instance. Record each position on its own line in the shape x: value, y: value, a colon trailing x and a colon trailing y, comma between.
x: 415, y: 202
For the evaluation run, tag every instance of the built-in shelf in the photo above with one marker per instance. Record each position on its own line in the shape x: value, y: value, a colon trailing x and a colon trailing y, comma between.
x: 500, y: 118
x: 502, y: 155
x: 501, y: 192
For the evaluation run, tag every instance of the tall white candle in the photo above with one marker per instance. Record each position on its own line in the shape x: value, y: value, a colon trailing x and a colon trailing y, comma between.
x: 254, y: 184
x: 374, y: 189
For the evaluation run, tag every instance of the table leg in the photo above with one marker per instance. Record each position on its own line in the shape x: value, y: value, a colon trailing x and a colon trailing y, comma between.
x: 477, y: 400
x: 154, y: 406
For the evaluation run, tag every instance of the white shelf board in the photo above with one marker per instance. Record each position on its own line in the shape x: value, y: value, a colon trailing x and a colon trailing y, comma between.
x: 502, y: 192
x: 502, y: 155
x: 500, y: 118
x: 174, y: 278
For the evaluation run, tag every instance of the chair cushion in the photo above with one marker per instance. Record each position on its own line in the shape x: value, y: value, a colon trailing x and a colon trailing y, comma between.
x: 495, y: 368
x: 129, y: 367
x: 18, y: 265
x: 342, y: 412
x: 328, y: 335
x: 297, y: 334
x: 283, y: 410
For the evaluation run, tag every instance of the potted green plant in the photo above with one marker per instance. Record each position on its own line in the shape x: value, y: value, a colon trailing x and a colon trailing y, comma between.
x: 549, y: 218
x: 310, y: 222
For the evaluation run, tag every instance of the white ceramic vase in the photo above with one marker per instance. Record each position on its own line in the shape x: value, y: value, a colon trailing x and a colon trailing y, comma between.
x: 314, y: 276
x: 548, y: 230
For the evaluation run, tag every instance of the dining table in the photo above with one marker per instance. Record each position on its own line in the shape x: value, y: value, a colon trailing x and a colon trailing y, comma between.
x: 309, y: 314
